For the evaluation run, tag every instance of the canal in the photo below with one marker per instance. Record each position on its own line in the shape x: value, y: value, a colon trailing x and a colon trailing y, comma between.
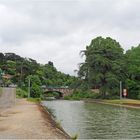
x: 96, y: 121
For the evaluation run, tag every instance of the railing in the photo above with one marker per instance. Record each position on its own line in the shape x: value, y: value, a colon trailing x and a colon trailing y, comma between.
x: 55, y: 87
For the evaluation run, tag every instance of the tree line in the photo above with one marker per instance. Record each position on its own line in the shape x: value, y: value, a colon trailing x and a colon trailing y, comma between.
x: 106, y: 64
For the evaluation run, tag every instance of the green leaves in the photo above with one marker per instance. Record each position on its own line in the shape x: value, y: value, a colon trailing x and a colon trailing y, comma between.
x: 101, y: 67
x: 132, y: 61
x: 20, y: 68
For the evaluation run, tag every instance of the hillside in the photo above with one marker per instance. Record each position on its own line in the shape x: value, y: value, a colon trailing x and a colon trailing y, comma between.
x: 15, y: 69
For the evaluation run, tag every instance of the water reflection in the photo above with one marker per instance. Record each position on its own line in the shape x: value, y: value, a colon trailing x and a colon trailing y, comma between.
x: 96, y: 121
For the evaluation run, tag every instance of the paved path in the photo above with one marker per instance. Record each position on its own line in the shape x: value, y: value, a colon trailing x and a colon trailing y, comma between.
x: 26, y: 120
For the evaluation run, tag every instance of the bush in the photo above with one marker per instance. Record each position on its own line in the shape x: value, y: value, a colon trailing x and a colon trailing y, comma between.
x: 36, y: 91
x: 138, y: 95
x: 79, y: 94
x: 21, y: 93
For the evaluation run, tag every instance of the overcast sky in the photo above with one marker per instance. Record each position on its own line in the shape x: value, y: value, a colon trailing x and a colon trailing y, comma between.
x: 57, y: 30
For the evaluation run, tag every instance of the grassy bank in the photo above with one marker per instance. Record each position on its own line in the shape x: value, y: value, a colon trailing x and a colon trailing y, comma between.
x: 124, y: 102
x: 128, y: 103
x: 35, y: 100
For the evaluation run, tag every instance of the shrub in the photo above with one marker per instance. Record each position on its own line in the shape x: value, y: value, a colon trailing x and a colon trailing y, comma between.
x: 21, y: 93
x: 36, y: 91
x: 138, y: 95
x: 80, y: 94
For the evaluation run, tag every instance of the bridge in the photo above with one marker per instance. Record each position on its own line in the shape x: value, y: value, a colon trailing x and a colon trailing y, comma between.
x: 63, y: 91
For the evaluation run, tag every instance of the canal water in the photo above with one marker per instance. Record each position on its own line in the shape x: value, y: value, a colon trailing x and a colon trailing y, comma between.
x: 96, y: 121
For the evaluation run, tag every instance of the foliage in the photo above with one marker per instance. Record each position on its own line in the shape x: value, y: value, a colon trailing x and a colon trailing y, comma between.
x: 52, y: 94
x: 102, y: 67
x: 105, y: 65
x: 138, y: 95
x: 132, y: 60
x: 20, y: 69
x: 20, y: 93
x: 34, y: 79
x: 75, y: 137
x: 35, y: 85
x: 36, y: 91
x: 80, y: 94
x: 58, y: 125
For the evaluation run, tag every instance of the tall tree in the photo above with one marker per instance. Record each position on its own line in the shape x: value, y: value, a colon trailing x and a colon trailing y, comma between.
x: 102, y: 65
x: 132, y: 60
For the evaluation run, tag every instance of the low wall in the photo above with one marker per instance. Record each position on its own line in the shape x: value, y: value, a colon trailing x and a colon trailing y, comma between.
x: 7, y: 97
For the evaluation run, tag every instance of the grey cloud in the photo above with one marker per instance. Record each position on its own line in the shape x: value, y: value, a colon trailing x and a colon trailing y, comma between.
x: 58, y: 29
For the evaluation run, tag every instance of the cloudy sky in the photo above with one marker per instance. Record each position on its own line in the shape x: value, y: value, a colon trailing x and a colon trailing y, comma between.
x: 57, y: 30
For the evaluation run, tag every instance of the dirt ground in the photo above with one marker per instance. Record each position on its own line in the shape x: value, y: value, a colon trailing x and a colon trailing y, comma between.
x: 26, y: 120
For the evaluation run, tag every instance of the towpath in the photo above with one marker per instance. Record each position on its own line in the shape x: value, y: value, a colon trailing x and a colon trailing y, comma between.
x: 27, y: 120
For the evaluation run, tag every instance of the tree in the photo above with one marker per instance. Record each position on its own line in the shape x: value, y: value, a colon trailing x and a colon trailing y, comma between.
x: 20, y: 68
x: 1, y: 58
x: 36, y: 89
x: 102, y: 65
x: 132, y: 62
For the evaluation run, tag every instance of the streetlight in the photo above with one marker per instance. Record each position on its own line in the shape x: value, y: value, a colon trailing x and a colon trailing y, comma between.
x: 29, y: 87
x: 120, y: 90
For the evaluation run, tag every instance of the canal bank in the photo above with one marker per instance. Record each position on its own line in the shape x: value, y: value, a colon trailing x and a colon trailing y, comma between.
x: 27, y: 120
x: 128, y: 103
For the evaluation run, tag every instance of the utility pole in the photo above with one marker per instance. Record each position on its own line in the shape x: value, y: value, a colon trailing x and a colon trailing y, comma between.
x: 29, y: 87
x: 21, y: 74
x: 120, y: 90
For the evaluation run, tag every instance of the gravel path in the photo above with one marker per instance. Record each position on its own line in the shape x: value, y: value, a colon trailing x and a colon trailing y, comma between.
x: 26, y: 120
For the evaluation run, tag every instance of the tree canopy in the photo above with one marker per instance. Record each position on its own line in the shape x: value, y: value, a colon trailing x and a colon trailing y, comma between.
x: 132, y: 62
x: 106, y: 64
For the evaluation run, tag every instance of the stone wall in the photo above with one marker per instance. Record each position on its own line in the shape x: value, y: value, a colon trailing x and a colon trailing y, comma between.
x: 7, y: 97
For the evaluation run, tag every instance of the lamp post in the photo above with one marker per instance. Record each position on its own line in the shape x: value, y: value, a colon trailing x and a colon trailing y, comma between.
x: 120, y: 90
x: 29, y: 87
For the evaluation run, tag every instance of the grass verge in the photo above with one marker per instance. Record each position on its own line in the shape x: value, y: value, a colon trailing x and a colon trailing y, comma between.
x: 35, y: 100
x: 75, y: 137
x: 123, y: 101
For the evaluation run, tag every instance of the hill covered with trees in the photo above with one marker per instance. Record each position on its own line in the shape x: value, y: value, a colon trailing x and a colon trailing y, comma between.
x: 16, y: 70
